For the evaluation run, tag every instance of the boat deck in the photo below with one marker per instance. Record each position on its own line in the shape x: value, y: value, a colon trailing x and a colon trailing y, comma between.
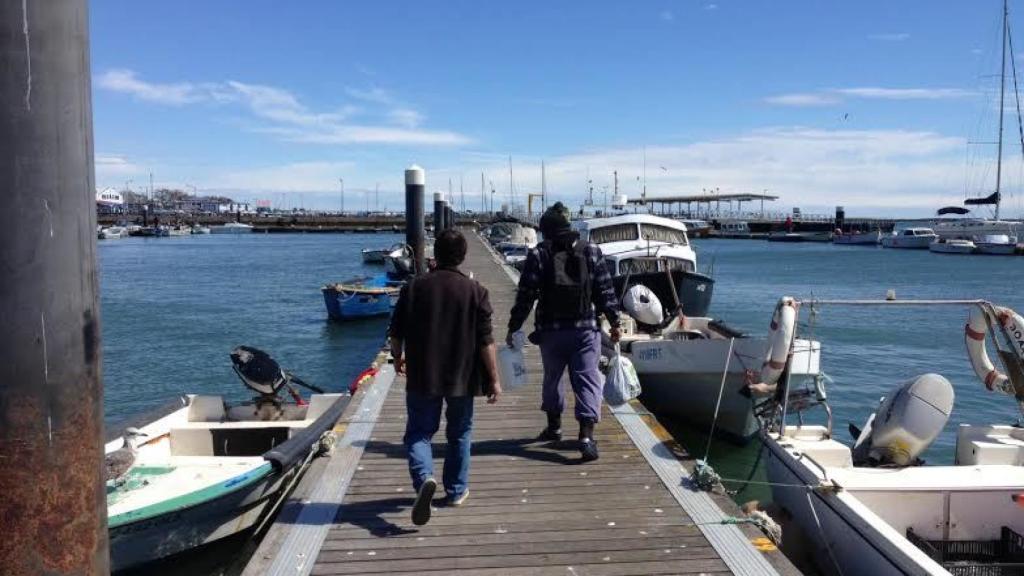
x: 532, y: 509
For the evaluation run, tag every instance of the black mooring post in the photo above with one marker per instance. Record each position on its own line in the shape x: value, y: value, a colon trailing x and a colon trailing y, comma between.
x: 449, y: 216
x: 52, y: 497
x: 415, y: 179
x: 438, y: 213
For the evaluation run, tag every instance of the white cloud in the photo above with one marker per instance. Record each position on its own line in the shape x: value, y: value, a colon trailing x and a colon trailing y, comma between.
x: 807, y: 167
x: 297, y: 176
x: 279, y: 112
x: 803, y: 99
x: 890, y: 36
x: 711, y: 7
x: 906, y: 93
x: 114, y: 166
x: 832, y: 96
x: 666, y: 16
x: 175, y: 94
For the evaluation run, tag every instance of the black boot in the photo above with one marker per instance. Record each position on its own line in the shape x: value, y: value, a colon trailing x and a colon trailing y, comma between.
x: 588, y: 446
x: 553, y: 433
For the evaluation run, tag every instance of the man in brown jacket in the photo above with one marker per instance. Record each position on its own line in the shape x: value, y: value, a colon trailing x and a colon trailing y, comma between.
x: 442, y: 323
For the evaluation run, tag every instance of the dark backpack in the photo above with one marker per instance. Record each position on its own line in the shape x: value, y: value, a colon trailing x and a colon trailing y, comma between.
x: 566, y: 292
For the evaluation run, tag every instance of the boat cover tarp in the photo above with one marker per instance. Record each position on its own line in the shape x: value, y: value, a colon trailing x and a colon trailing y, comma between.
x: 953, y: 210
x: 288, y: 453
x: 992, y: 198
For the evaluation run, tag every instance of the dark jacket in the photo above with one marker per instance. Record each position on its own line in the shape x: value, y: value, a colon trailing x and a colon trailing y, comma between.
x: 444, y: 318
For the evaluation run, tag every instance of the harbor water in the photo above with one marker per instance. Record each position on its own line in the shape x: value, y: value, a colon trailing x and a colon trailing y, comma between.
x: 173, y: 308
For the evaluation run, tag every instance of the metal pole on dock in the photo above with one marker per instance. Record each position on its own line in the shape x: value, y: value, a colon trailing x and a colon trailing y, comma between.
x: 449, y: 215
x: 438, y: 212
x: 415, y: 181
x: 52, y: 477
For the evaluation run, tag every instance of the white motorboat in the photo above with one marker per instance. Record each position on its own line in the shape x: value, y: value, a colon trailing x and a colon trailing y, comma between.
x: 996, y: 244
x: 697, y: 228
x: 857, y: 238
x: 179, y: 230
x: 910, y: 238
x: 874, y: 508
x: 377, y: 255
x: 200, y: 470
x: 952, y: 246
x: 971, y: 227
x: 232, y: 228
x: 733, y: 229
x: 200, y: 229
x: 685, y: 369
x: 113, y: 233
x: 652, y: 251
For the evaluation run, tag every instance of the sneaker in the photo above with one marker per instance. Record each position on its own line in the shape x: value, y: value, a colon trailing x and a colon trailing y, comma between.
x: 424, y: 499
x: 551, y: 435
x: 588, y: 450
x: 459, y: 500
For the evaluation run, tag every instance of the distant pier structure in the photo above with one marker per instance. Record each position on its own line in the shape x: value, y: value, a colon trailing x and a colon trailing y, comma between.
x: 750, y: 208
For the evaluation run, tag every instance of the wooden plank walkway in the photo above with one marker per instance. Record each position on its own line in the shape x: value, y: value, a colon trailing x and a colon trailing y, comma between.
x: 532, y: 508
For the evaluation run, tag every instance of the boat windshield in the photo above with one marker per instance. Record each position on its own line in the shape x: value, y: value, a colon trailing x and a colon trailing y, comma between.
x: 647, y: 265
x: 657, y: 233
x: 614, y: 233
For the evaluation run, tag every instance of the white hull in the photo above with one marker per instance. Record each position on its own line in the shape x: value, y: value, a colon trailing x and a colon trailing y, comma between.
x: 952, y: 247
x: 866, y: 522
x: 908, y: 242
x: 969, y: 228
x: 868, y: 238
x: 231, y: 228
x: 682, y: 378
x: 371, y: 256
x: 997, y: 249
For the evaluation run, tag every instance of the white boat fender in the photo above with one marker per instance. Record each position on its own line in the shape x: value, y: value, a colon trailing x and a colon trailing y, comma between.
x: 975, y: 333
x: 780, y: 341
x: 643, y: 305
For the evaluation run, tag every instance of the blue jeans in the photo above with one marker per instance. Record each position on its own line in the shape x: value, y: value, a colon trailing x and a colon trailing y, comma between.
x: 424, y: 420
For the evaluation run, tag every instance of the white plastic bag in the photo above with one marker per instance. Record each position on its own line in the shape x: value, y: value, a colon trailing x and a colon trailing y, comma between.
x: 511, y: 364
x: 622, y: 384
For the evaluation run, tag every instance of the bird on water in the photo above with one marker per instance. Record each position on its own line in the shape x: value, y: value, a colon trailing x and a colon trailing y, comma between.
x: 120, y: 461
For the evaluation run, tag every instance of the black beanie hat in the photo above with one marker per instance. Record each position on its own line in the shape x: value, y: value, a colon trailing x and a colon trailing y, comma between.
x: 555, y: 220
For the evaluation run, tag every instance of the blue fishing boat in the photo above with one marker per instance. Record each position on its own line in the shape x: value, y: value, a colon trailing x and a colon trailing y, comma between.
x: 361, y: 298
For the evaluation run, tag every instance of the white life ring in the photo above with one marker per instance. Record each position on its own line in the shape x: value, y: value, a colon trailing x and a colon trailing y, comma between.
x: 975, y: 332
x: 780, y: 340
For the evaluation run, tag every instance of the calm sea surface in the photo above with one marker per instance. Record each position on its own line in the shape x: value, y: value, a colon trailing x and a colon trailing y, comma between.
x: 173, y: 308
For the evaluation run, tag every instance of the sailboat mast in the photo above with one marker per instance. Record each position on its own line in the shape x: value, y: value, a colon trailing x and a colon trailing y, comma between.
x: 511, y: 190
x: 543, y: 187
x: 1002, y: 97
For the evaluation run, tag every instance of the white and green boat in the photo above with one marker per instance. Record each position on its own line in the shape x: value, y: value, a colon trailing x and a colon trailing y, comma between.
x: 201, y: 470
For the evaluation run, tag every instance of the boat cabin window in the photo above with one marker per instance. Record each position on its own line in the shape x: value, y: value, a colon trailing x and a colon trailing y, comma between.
x: 656, y: 233
x: 614, y: 233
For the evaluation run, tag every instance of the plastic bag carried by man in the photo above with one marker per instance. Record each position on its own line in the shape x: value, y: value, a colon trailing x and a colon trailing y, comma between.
x: 568, y: 280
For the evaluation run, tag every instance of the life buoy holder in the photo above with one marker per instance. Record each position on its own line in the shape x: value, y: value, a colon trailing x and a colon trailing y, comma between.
x: 780, y: 341
x: 975, y: 333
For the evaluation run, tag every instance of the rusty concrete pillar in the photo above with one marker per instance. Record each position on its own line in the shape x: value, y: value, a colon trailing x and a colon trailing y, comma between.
x: 52, y: 495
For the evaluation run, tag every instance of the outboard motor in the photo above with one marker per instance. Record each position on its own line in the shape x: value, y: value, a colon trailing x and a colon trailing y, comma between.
x: 906, y: 423
x: 262, y: 374
x: 643, y: 305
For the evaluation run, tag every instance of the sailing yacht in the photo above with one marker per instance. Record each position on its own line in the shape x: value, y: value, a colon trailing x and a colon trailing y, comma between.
x: 969, y: 228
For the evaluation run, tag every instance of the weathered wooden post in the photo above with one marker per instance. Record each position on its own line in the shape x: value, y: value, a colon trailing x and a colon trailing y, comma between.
x: 415, y: 180
x: 52, y: 496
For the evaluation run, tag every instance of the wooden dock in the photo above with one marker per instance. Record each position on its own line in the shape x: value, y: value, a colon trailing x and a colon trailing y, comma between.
x: 532, y: 509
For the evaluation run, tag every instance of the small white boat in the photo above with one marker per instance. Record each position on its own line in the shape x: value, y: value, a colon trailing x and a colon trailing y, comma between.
x: 682, y: 370
x: 952, y: 246
x: 179, y: 230
x: 910, y: 239
x: 697, y: 228
x: 200, y: 229
x: 378, y: 255
x: 874, y: 508
x: 113, y: 233
x: 857, y: 238
x: 996, y: 244
x: 201, y: 470
x: 232, y: 228
x: 735, y: 229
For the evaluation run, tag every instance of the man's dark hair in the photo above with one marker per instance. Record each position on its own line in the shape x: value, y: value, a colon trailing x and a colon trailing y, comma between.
x: 450, y: 248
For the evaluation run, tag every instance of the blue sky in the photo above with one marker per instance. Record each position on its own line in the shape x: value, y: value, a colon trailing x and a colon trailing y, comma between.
x: 871, y: 104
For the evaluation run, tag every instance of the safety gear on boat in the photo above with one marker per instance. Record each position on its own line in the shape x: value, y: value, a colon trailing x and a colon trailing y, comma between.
x: 979, y: 322
x: 780, y: 340
x: 643, y: 305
